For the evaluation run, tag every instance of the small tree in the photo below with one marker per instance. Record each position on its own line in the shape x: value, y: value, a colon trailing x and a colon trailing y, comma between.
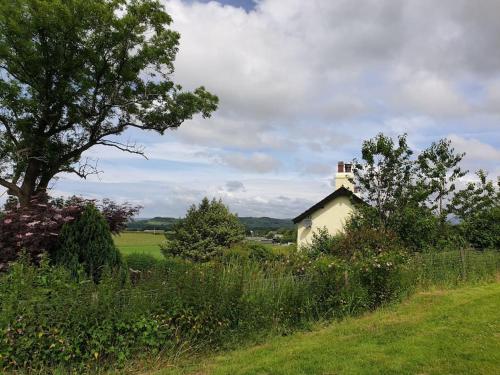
x: 384, y: 177
x: 438, y: 169
x: 476, y: 197
x: 87, y: 243
x: 478, y: 208
x: 204, y: 233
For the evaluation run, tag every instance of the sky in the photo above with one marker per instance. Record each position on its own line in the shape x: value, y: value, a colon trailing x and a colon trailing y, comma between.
x: 301, y: 85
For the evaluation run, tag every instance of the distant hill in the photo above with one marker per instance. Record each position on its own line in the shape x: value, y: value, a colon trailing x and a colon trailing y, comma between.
x: 250, y: 223
x: 266, y: 223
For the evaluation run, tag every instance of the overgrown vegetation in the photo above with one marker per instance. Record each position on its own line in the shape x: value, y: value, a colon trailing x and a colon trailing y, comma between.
x: 50, y: 318
x: 437, y: 332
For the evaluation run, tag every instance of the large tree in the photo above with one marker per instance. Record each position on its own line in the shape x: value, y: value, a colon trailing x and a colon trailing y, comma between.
x: 77, y: 73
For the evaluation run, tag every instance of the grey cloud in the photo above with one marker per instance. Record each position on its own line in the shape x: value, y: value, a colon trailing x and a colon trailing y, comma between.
x: 233, y: 186
x: 256, y: 162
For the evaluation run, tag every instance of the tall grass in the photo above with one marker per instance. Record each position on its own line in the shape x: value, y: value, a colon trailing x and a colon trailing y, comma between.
x: 49, y: 319
x: 453, y: 268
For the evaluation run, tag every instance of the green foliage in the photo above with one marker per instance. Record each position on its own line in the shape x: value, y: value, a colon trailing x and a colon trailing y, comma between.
x: 476, y: 197
x: 87, y: 243
x: 438, y: 169
x: 483, y: 230
x: 73, y: 73
x: 260, y: 253
x: 478, y: 207
x: 258, y: 225
x: 384, y: 177
x: 438, y: 332
x: 48, y: 318
x: 204, y: 233
x: 141, y: 262
x: 322, y: 243
x: 414, y: 197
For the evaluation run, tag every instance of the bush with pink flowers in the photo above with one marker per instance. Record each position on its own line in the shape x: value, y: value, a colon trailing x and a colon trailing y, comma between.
x: 35, y: 228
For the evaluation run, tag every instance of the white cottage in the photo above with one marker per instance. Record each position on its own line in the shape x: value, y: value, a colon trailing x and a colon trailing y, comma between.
x: 332, y: 211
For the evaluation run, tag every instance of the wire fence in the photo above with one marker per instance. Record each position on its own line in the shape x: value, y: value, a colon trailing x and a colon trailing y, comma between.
x: 449, y: 268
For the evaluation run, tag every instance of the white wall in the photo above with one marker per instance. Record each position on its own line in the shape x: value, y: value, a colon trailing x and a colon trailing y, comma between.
x: 333, y: 216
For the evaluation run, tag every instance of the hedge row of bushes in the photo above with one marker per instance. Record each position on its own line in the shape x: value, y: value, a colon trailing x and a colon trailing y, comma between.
x: 50, y: 318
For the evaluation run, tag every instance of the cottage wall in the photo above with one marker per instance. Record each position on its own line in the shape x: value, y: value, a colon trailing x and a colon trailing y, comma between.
x: 333, y: 216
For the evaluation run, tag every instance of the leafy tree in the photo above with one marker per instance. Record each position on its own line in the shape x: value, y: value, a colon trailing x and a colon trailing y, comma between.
x: 478, y: 208
x: 476, y: 197
x: 483, y: 231
x: 384, y: 177
x: 87, y: 243
x: 205, y: 232
x: 438, y: 170
x: 407, y: 195
x: 77, y: 73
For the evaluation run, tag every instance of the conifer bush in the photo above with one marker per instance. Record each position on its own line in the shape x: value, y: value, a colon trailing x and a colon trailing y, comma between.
x: 87, y: 243
x: 206, y: 231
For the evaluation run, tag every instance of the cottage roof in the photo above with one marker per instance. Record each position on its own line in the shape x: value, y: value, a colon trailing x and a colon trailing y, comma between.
x: 340, y: 192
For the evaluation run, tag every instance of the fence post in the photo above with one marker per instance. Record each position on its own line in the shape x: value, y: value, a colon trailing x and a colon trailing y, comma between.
x: 464, y: 268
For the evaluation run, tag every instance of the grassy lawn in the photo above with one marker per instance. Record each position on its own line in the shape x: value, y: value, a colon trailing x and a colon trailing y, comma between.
x: 441, y: 332
x: 140, y: 242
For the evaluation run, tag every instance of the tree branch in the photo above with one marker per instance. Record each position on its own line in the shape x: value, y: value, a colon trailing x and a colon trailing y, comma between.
x: 8, y: 129
x: 127, y: 147
x: 10, y: 186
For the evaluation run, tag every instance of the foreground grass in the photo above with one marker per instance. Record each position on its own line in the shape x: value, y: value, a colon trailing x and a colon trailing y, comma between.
x: 441, y: 332
x: 140, y: 242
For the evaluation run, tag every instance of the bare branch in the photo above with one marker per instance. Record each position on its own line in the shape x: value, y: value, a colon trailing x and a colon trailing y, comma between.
x: 132, y: 148
x: 83, y: 170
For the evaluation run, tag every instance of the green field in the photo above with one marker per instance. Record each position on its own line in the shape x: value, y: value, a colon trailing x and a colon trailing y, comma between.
x: 440, y: 332
x: 149, y: 243
x: 140, y: 242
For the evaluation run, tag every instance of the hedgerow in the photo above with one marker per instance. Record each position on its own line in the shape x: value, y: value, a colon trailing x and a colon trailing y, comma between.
x: 51, y: 319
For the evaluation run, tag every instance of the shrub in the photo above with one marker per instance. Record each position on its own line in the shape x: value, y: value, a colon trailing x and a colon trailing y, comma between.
x: 49, y: 319
x: 204, y: 233
x: 482, y: 230
x: 365, y: 242
x: 36, y: 227
x: 322, y: 243
x: 87, y: 243
x: 260, y: 253
x: 141, y: 262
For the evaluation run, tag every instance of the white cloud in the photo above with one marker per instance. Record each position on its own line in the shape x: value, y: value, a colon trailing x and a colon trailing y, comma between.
x: 476, y: 149
x: 427, y: 93
x: 301, y: 84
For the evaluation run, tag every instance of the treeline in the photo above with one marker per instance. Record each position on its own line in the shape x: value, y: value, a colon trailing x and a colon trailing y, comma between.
x: 422, y: 199
x: 257, y: 225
